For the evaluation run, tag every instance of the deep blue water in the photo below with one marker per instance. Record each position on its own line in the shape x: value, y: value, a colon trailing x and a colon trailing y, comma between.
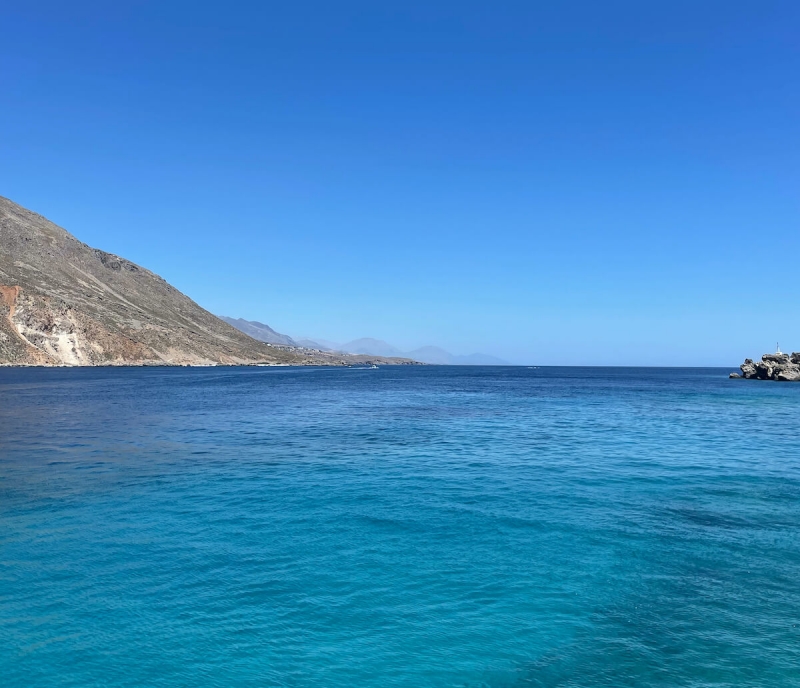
x: 415, y: 527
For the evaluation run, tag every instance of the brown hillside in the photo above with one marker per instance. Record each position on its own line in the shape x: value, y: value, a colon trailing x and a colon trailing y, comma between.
x: 63, y: 302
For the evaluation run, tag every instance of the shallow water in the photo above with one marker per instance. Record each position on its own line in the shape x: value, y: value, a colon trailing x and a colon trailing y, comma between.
x: 433, y: 526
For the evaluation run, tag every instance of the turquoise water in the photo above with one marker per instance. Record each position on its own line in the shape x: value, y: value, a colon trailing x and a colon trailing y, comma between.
x: 398, y: 527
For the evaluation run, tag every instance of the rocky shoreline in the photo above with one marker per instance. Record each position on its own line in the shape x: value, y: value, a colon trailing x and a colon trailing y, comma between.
x: 778, y: 366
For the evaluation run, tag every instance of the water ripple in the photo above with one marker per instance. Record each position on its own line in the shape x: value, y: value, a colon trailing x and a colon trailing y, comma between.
x: 494, y: 527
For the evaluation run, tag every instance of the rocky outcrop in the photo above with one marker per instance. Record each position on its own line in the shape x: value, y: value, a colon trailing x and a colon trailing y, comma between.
x: 779, y: 366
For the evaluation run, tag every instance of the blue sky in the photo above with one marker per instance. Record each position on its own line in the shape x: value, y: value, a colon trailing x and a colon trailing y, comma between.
x: 553, y: 183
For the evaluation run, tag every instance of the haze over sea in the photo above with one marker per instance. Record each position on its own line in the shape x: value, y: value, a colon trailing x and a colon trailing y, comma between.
x: 430, y: 526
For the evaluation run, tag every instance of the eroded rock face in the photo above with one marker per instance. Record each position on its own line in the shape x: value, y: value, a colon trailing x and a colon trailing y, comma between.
x: 52, y: 332
x: 789, y: 374
x: 748, y: 368
x: 775, y: 358
x: 777, y: 366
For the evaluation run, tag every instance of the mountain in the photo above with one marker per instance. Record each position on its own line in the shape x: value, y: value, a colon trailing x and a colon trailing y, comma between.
x: 320, y: 344
x: 264, y: 333
x: 426, y: 354
x: 260, y: 331
x: 435, y: 355
x: 367, y: 345
x: 63, y: 302
x: 319, y: 352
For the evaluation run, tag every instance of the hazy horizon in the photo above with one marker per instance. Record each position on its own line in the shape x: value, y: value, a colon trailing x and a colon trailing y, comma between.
x: 559, y: 185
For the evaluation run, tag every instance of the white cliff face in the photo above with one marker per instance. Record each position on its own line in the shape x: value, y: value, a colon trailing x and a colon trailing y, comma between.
x: 50, y: 329
x: 62, y: 347
x: 58, y: 339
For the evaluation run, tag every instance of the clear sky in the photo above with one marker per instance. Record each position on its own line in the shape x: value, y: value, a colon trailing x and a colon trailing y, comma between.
x: 550, y: 182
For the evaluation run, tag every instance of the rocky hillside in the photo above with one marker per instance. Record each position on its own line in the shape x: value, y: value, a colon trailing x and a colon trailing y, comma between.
x: 65, y: 303
x: 778, y: 366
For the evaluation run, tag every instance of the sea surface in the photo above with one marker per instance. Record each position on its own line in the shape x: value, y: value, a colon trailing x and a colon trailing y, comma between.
x: 421, y: 526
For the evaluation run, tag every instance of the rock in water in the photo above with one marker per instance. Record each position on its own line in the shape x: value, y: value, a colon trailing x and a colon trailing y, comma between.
x: 748, y: 368
x: 779, y: 358
x: 777, y: 366
x: 789, y: 374
x: 63, y: 302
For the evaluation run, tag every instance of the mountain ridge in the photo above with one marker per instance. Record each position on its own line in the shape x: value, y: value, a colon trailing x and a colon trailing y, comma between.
x: 259, y: 331
x: 369, y: 346
x: 433, y: 355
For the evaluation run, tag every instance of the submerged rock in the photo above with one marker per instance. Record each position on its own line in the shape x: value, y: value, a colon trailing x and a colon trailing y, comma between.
x: 778, y: 366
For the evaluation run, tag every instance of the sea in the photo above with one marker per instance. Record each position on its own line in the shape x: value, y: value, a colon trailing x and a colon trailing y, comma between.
x: 490, y: 527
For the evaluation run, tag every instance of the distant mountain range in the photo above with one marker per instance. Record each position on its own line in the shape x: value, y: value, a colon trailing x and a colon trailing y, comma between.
x: 425, y: 354
x: 260, y: 331
x: 365, y: 346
